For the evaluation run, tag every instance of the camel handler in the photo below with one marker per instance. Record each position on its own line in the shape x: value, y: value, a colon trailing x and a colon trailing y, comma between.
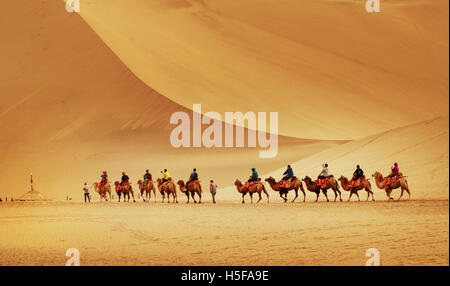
x: 288, y: 174
x: 87, y: 197
x: 104, y: 179
x: 193, y: 177
x: 394, y: 173
x: 253, y: 177
x: 166, y: 176
x: 147, y: 177
x: 213, y: 190
x: 321, y: 179
x: 356, y: 175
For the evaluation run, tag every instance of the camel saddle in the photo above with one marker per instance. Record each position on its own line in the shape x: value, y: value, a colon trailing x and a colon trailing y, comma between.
x: 287, y: 183
x: 249, y: 184
x: 190, y: 183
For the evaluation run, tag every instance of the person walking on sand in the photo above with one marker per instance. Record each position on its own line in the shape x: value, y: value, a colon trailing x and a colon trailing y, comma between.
x: 87, y: 197
x: 213, y: 190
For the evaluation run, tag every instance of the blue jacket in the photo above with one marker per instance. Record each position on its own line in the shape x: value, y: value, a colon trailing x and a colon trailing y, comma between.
x: 254, y: 175
x: 289, y: 172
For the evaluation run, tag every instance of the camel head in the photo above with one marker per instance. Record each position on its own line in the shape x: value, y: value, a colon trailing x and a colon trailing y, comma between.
x: 377, y: 175
x: 307, y: 179
x: 180, y: 183
x: 116, y: 183
x: 342, y: 178
x: 270, y: 180
x: 139, y: 182
x: 238, y: 183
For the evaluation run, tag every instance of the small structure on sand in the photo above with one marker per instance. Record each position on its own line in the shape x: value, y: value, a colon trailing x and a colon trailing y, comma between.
x: 32, y: 195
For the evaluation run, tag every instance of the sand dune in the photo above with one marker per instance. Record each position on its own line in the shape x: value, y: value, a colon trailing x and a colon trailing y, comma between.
x: 422, y: 151
x: 347, y: 73
x: 70, y: 109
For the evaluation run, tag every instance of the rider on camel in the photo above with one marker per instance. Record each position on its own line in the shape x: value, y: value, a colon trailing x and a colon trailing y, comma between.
x: 356, y: 175
x: 125, y: 179
x: 288, y: 174
x: 166, y: 176
x: 104, y: 179
x: 321, y: 179
x: 193, y: 177
x: 394, y: 173
x: 253, y: 178
x: 147, y: 177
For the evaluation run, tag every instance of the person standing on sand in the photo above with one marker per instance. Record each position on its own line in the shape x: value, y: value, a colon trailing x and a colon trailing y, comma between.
x: 87, y: 197
x: 213, y: 189
x: 1, y: 200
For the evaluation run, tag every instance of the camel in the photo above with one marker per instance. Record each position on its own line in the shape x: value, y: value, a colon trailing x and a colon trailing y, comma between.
x: 312, y: 186
x: 345, y: 183
x: 295, y: 185
x: 105, y: 189
x: 400, y: 182
x: 194, y: 188
x: 167, y: 188
x: 147, y: 188
x: 257, y: 187
x: 126, y: 190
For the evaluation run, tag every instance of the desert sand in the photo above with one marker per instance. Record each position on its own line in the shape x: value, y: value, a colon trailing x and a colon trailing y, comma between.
x: 228, y: 233
x: 83, y: 93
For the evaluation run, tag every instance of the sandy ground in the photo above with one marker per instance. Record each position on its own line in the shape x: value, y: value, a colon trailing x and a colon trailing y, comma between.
x: 228, y: 233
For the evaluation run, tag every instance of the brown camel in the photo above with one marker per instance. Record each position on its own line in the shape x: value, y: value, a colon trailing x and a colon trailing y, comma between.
x: 359, y: 185
x: 295, y: 184
x: 167, y: 188
x: 312, y: 186
x: 241, y: 189
x: 399, y: 182
x: 257, y: 187
x: 125, y: 190
x: 194, y: 188
x: 148, y: 187
x: 105, y: 189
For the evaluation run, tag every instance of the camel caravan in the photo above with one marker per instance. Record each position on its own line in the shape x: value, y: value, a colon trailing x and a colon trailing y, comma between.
x: 324, y: 183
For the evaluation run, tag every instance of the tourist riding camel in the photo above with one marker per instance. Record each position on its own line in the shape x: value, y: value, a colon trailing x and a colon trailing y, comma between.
x: 104, y: 179
x: 253, y: 178
x: 288, y: 174
x: 394, y: 174
x: 358, y: 185
x: 147, y: 177
x: 103, y: 190
x: 399, y: 182
x: 322, y: 178
x: 125, y: 180
x: 294, y: 184
x: 330, y: 183
x: 256, y: 187
x: 147, y: 188
x: 193, y: 177
x: 359, y: 173
x: 166, y: 176
x: 167, y: 188
x: 193, y: 188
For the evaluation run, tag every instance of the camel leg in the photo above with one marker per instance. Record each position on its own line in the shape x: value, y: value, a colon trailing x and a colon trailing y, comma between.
x: 351, y: 194
x: 340, y: 195
x: 251, y: 197
x: 317, y: 197
x: 243, y: 201
x: 188, y: 197
x: 368, y: 195
x: 193, y: 197
x: 119, y: 197
x: 335, y: 195
x: 200, y: 197
x: 326, y: 196
x: 401, y: 194
x: 259, y: 194
x: 358, y: 196
x: 281, y: 196
x: 296, y: 195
